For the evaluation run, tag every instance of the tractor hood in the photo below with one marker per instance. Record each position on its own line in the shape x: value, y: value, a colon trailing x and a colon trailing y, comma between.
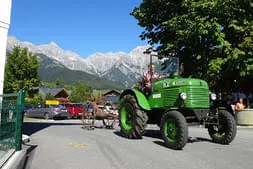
x: 179, y: 82
x: 169, y: 90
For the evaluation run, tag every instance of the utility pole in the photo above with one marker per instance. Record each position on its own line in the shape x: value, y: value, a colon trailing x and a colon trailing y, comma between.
x: 5, y: 13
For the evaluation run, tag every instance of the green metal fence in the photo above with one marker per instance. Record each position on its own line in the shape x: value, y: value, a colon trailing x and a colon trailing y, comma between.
x: 11, y: 121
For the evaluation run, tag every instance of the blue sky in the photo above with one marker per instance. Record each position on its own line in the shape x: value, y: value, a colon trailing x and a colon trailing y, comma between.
x: 82, y: 26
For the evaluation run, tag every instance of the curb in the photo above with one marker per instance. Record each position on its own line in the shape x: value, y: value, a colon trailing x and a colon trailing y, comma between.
x: 17, y: 160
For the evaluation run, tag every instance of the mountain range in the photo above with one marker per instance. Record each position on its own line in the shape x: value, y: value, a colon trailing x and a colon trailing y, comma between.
x: 119, y: 67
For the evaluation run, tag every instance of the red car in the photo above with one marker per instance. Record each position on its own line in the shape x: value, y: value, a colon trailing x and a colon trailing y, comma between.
x: 75, y: 109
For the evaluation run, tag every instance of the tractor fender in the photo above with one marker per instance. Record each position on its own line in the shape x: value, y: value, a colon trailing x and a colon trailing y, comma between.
x: 141, y: 99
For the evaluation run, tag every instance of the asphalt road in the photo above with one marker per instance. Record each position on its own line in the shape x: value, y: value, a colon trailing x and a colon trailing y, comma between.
x: 65, y: 145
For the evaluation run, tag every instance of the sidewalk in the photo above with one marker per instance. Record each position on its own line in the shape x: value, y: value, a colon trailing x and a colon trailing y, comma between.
x: 17, y: 160
x: 245, y: 126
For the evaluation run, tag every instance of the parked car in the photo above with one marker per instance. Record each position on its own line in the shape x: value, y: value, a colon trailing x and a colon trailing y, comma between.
x: 75, y: 109
x: 49, y: 112
x: 27, y: 107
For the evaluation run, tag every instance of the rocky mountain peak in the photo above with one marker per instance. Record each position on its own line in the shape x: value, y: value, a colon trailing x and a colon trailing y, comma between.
x: 53, y: 44
x: 117, y: 66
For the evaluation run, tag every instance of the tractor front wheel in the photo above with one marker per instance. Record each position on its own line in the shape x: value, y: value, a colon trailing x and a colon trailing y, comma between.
x: 132, y: 119
x: 224, y: 132
x: 174, y: 130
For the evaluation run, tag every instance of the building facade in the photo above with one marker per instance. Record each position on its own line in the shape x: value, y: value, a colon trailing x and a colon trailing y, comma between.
x: 5, y: 14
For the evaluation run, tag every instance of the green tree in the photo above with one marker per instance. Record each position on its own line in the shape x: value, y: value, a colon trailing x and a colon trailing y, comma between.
x: 36, y: 100
x: 59, y: 82
x: 212, y: 38
x: 21, y: 72
x: 48, y: 84
x: 49, y: 96
x: 80, y: 93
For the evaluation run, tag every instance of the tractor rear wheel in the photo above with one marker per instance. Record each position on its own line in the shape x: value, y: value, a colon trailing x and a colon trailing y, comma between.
x: 132, y: 119
x: 174, y: 130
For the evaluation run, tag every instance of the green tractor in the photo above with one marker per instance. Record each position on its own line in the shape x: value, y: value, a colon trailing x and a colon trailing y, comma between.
x: 173, y: 104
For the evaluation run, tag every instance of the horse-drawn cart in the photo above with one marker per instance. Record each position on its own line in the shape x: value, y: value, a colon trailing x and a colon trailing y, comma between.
x: 92, y: 112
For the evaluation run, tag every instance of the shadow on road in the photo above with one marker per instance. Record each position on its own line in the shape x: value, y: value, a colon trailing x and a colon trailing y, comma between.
x: 30, y: 128
x: 157, y: 134
x: 29, y: 155
x: 160, y: 143
x: 118, y: 133
x: 190, y: 140
x: 198, y: 139
x: 153, y: 133
x: 147, y: 133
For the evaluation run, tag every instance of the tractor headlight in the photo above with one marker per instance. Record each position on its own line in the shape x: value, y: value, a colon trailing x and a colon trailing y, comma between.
x: 213, y: 96
x: 183, y: 96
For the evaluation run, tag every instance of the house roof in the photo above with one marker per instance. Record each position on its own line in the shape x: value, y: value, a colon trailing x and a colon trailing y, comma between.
x: 62, y: 93
x: 112, y: 93
x: 56, y: 91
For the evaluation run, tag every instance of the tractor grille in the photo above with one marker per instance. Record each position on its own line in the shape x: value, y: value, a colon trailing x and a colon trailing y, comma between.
x: 170, y: 97
x: 197, y: 97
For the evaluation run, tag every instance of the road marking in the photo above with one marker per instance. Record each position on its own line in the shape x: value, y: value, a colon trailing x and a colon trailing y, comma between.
x: 79, y: 145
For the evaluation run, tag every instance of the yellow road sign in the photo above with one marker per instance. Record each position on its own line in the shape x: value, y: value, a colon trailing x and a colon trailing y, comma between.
x: 54, y: 102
